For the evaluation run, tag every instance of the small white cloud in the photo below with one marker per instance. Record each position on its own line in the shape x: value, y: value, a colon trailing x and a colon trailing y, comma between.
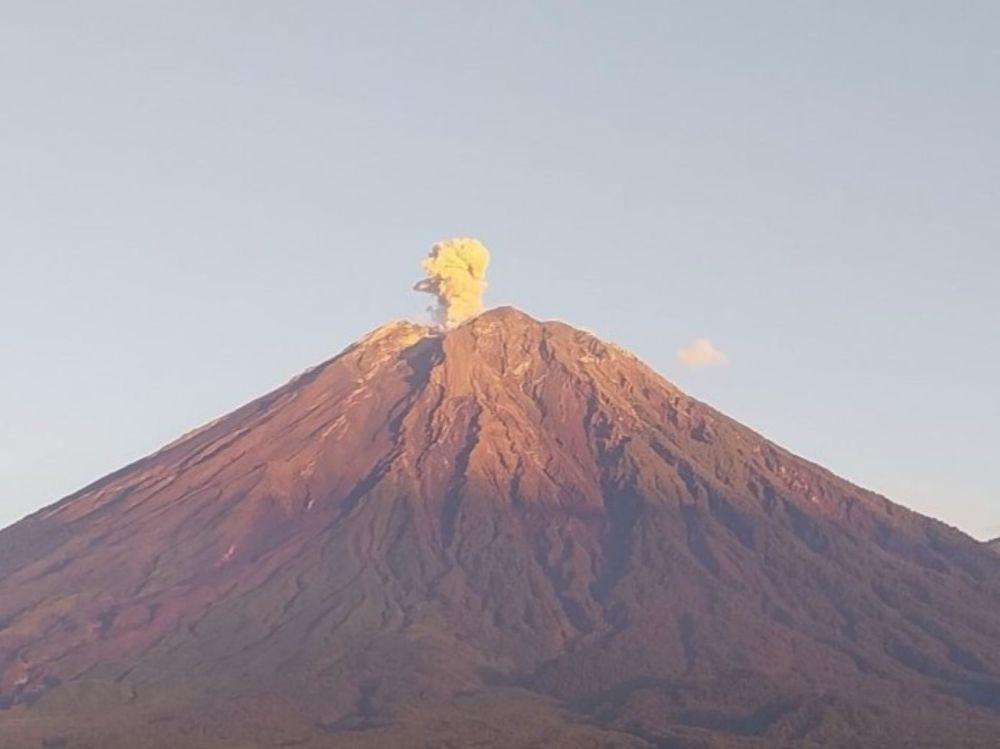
x: 701, y: 353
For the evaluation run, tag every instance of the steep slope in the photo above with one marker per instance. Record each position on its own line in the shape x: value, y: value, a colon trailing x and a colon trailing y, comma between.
x: 509, y: 533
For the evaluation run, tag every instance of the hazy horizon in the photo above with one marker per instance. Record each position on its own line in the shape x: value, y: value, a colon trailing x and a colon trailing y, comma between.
x: 202, y: 200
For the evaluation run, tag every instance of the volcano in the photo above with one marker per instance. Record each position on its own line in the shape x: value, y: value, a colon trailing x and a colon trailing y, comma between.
x: 507, y: 534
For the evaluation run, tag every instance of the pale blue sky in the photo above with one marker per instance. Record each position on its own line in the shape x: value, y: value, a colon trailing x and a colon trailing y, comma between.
x: 200, y: 199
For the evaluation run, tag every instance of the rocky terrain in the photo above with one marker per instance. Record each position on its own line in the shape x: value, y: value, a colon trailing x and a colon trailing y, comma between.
x: 509, y: 534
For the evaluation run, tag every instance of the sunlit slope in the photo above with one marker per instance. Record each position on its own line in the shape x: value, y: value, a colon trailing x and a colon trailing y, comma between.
x: 511, y: 532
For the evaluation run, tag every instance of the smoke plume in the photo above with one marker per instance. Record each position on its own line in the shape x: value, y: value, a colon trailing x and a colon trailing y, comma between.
x: 456, y: 275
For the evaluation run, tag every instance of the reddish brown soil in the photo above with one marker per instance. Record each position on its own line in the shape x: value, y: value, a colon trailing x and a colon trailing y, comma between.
x: 513, y: 534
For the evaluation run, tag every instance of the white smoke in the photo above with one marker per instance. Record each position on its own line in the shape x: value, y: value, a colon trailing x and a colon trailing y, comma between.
x: 456, y: 275
x: 701, y: 353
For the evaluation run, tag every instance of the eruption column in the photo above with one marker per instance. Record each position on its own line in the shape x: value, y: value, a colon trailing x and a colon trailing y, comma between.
x: 456, y: 275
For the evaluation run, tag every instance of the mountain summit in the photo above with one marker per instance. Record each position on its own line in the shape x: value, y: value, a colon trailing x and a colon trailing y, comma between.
x: 506, y: 534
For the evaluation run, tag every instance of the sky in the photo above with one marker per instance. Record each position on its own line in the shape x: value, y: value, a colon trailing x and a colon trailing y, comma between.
x: 198, y: 200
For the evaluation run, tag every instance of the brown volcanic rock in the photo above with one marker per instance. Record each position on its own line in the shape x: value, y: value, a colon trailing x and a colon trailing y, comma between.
x: 511, y: 534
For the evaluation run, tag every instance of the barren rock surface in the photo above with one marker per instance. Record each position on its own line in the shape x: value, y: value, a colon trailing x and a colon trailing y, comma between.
x: 512, y: 534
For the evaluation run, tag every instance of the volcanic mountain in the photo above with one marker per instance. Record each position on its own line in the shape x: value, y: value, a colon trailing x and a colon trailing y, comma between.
x: 507, y: 534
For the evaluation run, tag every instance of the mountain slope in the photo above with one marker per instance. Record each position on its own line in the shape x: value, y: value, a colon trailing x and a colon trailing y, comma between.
x: 509, y: 533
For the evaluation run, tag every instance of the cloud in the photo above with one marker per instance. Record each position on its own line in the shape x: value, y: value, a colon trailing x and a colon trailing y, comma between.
x: 456, y: 275
x: 701, y: 353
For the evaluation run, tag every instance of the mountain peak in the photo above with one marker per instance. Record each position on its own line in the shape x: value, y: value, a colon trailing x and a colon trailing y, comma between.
x: 506, y: 314
x: 505, y: 518
x: 395, y: 329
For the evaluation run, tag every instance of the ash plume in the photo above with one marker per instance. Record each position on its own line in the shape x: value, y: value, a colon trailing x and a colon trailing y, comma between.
x: 456, y: 275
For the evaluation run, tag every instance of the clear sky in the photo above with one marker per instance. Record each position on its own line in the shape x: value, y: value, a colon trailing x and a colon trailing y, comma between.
x: 200, y: 199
